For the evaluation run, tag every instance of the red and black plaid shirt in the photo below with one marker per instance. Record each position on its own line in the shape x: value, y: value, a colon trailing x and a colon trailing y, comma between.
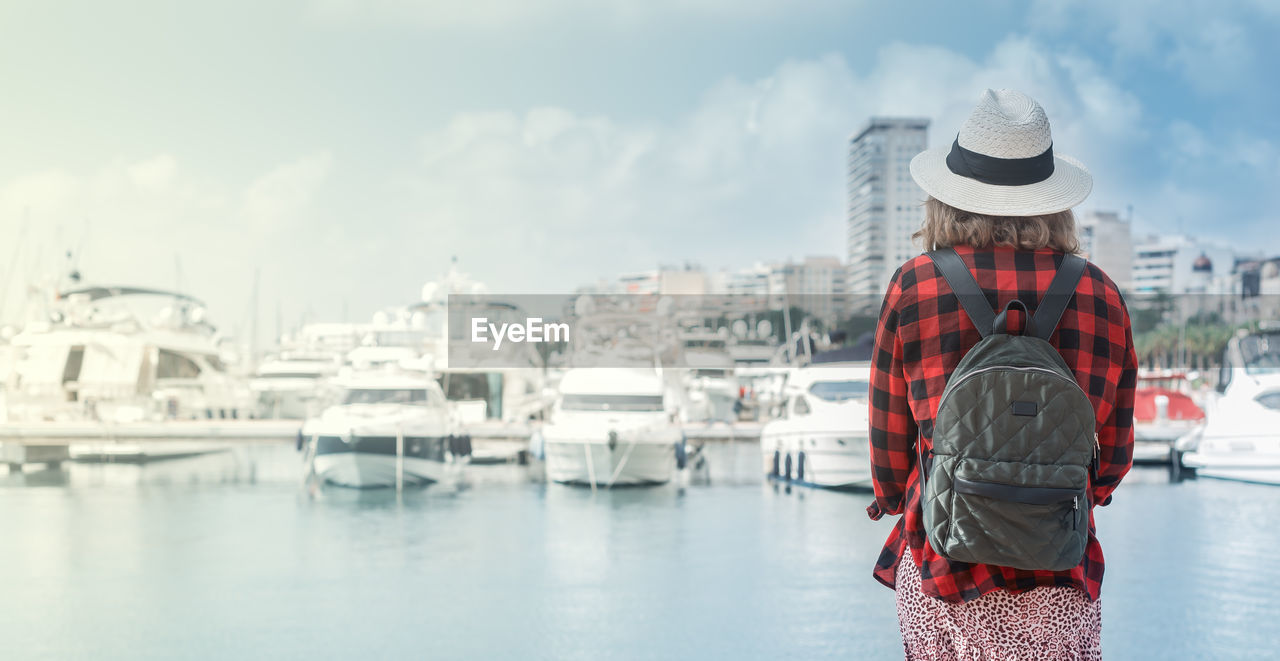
x: 923, y: 333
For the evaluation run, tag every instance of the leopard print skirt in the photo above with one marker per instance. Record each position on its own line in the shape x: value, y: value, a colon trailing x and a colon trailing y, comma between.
x: 1044, y: 623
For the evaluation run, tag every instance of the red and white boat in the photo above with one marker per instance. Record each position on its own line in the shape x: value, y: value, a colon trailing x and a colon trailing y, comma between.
x: 1163, y: 412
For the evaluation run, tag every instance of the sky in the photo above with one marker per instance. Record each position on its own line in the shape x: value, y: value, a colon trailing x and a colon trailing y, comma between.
x: 338, y: 153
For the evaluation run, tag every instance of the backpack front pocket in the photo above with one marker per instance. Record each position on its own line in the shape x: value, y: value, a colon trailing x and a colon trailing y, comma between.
x: 1001, y: 515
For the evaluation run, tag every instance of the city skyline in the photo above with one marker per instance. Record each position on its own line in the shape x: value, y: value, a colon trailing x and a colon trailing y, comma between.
x: 345, y: 151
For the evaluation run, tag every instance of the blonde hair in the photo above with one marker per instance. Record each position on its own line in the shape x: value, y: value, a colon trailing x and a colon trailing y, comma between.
x: 946, y: 226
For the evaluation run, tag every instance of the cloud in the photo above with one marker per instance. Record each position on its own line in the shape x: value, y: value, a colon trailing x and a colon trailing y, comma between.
x: 277, y: 197
x: 1215, y: 46
x: 149, y: 222
x: 154, y: 173
x: 753, y: 171
x: 550, y: 197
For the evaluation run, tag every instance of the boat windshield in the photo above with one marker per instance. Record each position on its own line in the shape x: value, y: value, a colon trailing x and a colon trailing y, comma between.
x: 612, y: 403
x: 386, y: 396
x: 1261, y: 353
x: 839, y: 391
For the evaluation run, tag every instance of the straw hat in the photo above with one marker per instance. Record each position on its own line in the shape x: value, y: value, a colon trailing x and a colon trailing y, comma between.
x: 1002, y: 162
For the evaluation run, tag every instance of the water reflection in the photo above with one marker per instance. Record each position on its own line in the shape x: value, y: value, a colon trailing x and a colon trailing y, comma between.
x: 501, y: 565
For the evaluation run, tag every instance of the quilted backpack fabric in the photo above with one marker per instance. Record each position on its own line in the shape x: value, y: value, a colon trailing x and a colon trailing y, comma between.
x: 1007, y: 480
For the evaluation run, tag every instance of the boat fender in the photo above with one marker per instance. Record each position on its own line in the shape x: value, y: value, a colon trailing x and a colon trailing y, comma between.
x: 682, y: 454
x: 777, y: 460
x: 800, y: 466
x: 466, y: 445
x: 613, y: 440
x: 298, y: 440
x: 788, y: 467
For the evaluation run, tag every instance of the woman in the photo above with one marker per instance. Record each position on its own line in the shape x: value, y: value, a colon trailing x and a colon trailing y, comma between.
x: 1002, y: 200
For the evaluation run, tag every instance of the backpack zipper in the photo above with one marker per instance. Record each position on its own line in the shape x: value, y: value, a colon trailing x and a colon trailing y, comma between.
x: 1015, y: 368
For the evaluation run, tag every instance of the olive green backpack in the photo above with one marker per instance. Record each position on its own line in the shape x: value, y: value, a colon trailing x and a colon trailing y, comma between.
x: 1007, y: 481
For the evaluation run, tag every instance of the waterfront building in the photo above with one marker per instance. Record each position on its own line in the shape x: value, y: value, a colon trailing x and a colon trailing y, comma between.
x: 1252, y: 292
x: 688, y: 279
x: 750, y: 281
x: 1106, y: 240
x: 640, y: 282
x: 884, y: 205
x: 819, y: 286
x: 816, y: 285
x: 1177, y: 264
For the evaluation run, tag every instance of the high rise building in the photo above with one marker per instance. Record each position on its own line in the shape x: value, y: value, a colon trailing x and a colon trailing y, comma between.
x: 884, y: 203
x: 1106, y: 241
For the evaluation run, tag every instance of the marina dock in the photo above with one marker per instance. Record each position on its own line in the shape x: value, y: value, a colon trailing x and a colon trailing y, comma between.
x: 55, y: 442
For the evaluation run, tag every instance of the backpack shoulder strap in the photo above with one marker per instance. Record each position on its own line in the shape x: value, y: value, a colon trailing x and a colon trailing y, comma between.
x: 1056, y: 299
x: 966, y: 288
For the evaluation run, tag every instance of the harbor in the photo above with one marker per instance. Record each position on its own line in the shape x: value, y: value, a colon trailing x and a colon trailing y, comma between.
x: 135, y: 374
x: 583, y: 331
x: 685, y: 491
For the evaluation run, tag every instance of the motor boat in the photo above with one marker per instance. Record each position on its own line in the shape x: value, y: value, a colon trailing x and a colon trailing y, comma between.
x: 1240, y: 439
x: 121, y: 355
x: 291, y: 384
x: 491, y: 389
x: 820, y: 437
x: 711, y: 393
x: 492, y: 395
x: 390, y: 428
x: 611, y: 427
x: 1163, y: 412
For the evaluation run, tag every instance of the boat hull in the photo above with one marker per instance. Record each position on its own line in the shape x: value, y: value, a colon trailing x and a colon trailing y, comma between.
x: 361, y: 470
x: 373, y: 462
x: 623, y: 464
x: 1152, y: 452
x: 1260, y: 467
x: 829, y: 461
x: 141, y: 453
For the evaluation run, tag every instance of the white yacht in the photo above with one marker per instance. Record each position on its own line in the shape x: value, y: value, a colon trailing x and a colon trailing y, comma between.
x: 820, y: 438
x: 121, y: 355
x: 611, y: 426
x: 710, y: 389
x: 291, y: 384
x: 391, y: 427
x: 492, y: 390
x: 493, y: 397
x: 1240, y: 439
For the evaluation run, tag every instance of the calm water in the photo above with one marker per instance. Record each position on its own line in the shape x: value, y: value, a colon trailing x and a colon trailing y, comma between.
x: 226, y: 556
